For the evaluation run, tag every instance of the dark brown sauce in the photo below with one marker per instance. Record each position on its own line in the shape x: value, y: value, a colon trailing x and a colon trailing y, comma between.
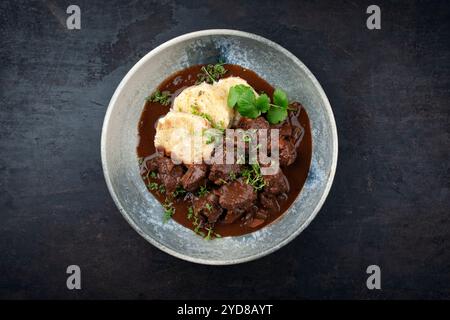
x: 296, y: 173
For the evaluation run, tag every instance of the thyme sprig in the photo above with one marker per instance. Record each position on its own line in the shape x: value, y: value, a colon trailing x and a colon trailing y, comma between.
x: 211, y: 73
x: 252, y: 176
x: 163, y: 97
x: 169, y: 210
x: 207, y: 232
x: 203, y: 191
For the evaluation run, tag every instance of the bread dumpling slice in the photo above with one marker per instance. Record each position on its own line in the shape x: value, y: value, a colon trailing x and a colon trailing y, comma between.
x: 207, y: 100
x: 180, y: 135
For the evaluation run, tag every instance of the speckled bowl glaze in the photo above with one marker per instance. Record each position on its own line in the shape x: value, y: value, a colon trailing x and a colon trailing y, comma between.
x: 120, y: 137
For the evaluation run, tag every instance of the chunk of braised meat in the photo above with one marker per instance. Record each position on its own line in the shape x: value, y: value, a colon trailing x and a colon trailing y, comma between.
x: 276, y: 183
x: 262, y: 214
x: 165, y: 165
x: 258, y: 123
x: 269, y: 202
x: 282, y: 197
x: 169, y: 173
x: 223, y: 173
x: 248, y: 215
x: 285, y: 129
x: 251, y: 126
x: 194, y: 177
x: 297, y: 129
x: 152, y: 162
x: 207, y: 208
x: 290, y: 132
x: 220, y: 154
x: 237, y: 196
x: 288, y: 126
x: 288, y: 152
x: 255, y: 222
x: 254, y: 217
x: 232, y: 216
x: 172, y: 180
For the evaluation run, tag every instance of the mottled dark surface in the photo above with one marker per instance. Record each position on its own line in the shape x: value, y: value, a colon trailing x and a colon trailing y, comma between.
x: 389, y: 204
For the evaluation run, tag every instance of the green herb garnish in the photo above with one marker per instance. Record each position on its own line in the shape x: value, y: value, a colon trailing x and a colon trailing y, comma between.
x: 153, y: 186
x: 253, y: 177
x: 169, y: 210
x: 153, y: 174
x: 240, y: 159
x: 210, y: 139
x: 223, y: 181
x: 196, y: 111
x: 196, y: 224
x: 199, y: 226
x: 179, y: 191
x: 190, y: 213
x: 160, y: 97
x: 201, y: 233
x: 208, y: 206
x: 212, y: 135
x: 203, y: 191
x: 211, y: 233
x: 211, y: 73
x: 243, y: 98
x: 208, y: 236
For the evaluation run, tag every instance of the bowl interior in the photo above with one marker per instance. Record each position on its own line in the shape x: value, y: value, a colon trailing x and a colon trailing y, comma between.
x: 119, y: 141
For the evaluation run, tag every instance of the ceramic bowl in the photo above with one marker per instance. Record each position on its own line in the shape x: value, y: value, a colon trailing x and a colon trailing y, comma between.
x: 120, y: 137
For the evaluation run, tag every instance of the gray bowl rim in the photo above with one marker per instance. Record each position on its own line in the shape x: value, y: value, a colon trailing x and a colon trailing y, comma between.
x: 215, y: 32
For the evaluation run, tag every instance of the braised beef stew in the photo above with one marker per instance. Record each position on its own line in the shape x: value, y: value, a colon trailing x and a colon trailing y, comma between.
x: 217, y: 200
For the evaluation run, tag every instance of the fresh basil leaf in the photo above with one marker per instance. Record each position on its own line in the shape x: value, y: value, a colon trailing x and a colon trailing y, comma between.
x: 280, y: 98
x: 276, y: 115
x: 263, y: 102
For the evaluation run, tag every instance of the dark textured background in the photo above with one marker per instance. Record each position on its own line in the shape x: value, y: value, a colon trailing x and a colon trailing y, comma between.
x: 389, y: 204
